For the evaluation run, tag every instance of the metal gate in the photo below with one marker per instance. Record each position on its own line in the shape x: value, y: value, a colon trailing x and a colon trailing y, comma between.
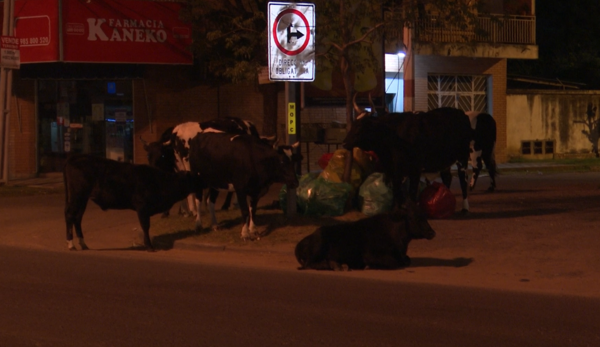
x: 467, y: 93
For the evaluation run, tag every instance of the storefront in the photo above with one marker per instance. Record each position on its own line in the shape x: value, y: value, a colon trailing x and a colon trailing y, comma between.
x: 84, y: 116
x: 83, y: 58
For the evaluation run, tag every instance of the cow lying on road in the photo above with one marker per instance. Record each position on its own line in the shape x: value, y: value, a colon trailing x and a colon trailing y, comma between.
x: 377, y: 242
x: 116, y: 185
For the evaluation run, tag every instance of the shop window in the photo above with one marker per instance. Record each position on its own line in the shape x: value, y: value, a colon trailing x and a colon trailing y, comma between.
x: 84, y: 116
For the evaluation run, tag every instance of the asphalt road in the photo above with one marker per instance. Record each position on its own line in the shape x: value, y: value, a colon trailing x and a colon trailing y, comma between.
x: 532, y: 279
x: 137, y: 299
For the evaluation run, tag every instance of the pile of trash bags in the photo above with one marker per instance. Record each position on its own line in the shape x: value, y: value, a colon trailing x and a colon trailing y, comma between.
x: 325, y: 194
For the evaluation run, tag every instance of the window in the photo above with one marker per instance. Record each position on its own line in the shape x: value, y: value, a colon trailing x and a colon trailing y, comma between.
x: 463, y: 92
x: 537, y: 147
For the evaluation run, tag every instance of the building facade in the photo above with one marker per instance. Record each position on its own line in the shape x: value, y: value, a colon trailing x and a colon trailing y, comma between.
x: 97, y: 78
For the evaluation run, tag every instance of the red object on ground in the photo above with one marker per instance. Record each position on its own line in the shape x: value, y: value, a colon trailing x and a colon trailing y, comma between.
x: 437, y: 201
x: 324, y: 160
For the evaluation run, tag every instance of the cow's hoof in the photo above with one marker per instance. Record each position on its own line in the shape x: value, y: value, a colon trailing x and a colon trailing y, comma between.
x: 491, y: 189
x: 84, y: 247
x: 72, y: 249
x: 215, y: 228
x: 464, y: 212
x: 150, y: 249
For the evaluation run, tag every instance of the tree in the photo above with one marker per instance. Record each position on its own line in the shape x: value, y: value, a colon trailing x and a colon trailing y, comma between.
x: 230, y: 41
x: 347, y: 30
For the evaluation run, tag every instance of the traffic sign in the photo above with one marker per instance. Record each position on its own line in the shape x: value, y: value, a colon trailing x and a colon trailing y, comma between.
x: 291, y: 41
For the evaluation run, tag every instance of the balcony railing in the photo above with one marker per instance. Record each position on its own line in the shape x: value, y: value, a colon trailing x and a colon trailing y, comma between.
x: 500, y: 29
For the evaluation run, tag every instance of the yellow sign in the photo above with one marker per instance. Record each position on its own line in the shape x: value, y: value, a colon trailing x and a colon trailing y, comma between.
x: 291, y: 118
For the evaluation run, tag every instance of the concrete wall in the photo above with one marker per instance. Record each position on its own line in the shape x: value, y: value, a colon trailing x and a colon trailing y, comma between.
x: 551, y: 115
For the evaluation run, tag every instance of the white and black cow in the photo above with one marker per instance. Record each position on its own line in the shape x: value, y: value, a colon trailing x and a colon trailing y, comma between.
x: 409, y: 144
x: 377, y: 242
x: 117, y: 185
x: 171, y: 152
x: 483, y: 147
x: 247, y: 164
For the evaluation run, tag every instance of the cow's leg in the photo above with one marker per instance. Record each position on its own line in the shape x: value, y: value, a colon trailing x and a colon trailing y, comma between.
x: 73, y: 215
x: 245, y: 210
x: 446, y: 176
x: 462, y: 178
x: 193, y: 205
x: 144, y: 219
x: 227, y: 202
x: 198, y: 197
x: 212, y: 198
x: 476, y: 163
x: 490, y: 164
x: 253, y: 208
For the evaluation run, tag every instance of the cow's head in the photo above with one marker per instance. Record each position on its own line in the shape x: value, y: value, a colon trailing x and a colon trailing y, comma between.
x: 367, y: 133
x: 288, y: 160
x: 160, y: 155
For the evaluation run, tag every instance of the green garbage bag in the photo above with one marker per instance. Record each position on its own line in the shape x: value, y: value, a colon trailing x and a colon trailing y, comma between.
x: 319, y: 197
x: 374, y: 196
x: 303, y: 182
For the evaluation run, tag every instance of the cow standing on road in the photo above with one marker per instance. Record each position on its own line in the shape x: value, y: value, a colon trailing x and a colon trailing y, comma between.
x: 171, y: 153
x: 116, y: 185
x: 484, y: 144
x: 246, y: 163
x: 409, y: 144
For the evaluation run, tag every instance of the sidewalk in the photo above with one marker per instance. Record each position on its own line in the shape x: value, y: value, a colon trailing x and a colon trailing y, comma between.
x: 54, y: 180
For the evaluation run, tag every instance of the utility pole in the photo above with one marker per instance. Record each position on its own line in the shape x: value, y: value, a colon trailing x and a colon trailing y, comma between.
x: 8, y: 26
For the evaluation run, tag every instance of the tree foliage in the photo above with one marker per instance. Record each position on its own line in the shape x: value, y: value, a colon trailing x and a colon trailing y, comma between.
x: 229, y: 36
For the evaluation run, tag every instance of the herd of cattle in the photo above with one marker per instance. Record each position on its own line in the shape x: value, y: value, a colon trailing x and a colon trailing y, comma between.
x: 193, y: 159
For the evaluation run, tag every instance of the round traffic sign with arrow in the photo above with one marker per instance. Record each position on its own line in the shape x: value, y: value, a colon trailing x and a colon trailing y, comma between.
x: 291, y: 41
x: 292, y: 31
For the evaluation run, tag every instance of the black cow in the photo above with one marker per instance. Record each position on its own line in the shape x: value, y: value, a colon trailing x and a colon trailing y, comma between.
x: 246, y: 163
x: 171, y: 152
x: 377, y: 242
x: 484, y: 144
x: 409, y: 144
x: 116, y: 185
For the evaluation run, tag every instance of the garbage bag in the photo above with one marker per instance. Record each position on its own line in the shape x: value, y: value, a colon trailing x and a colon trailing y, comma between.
x: 365, y: 161
x: 324, y: 160
x: 374, y: 196
x: 334, y: 172
x: 437, y: 201
x: 319, y: 197
x: 302, y: 186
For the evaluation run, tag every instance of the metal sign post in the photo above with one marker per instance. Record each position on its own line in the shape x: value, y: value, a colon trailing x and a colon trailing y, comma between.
x: 5, y: 92
x: 292, y: 60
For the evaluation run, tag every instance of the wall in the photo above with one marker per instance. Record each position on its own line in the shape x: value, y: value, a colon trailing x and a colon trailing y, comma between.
x: 496, y: 68
x: 550, y: 115
x: 22, y: 154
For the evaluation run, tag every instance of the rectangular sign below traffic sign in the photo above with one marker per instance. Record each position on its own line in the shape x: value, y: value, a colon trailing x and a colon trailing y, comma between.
x: 10, y: 56
x: 291, y: 41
